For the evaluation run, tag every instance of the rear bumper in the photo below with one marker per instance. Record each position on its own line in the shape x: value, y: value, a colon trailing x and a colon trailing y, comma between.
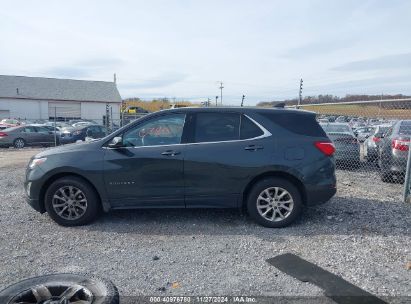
x: 316, y: 195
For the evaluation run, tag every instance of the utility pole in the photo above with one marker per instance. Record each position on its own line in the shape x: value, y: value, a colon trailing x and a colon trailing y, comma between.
x: 221, y: 92
x: 208, y: 102
x: 242, y: 100
x: 216, y: 99
x: 300, y: 97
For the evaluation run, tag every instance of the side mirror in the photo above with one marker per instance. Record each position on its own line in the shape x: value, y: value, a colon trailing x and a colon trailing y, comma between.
x: 116, y: 142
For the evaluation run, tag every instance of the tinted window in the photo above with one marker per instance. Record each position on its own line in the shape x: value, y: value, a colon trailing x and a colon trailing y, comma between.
x: 29, y: 130
x: 297, y: 123
x: 93, y: 129
x: 249, y: 129
x: 210, y: 127
x: 164, y: 130
x: 42, y: 130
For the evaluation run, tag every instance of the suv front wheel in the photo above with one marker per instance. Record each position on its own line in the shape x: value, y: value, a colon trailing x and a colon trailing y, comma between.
x: 274, y: 203
x: 72, y: 201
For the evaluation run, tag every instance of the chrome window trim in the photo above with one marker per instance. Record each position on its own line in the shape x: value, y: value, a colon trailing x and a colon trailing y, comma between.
x: 265, y: 134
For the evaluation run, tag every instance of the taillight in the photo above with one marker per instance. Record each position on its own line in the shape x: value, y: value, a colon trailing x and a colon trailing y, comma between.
x: 325, y: 147
x: 376, y: 139
x: 2, y: 134
x: 400, y: 144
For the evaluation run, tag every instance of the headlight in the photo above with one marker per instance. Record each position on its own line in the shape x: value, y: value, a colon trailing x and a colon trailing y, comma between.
x: 36, y: 162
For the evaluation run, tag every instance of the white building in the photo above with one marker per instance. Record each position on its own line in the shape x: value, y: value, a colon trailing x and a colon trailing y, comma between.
x: 35, y: 98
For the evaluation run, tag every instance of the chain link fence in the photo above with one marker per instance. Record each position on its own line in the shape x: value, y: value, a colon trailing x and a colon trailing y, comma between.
x: 372, y: 139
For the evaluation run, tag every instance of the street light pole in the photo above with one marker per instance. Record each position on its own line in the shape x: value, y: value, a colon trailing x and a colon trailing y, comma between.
x: 221, y: 92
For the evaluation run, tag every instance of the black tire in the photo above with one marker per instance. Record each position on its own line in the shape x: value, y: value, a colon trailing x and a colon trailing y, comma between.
x: 386, y: 177
x: 259, y: 187
x: 19, y: 143
x: 103, y: 290
x: 93, y: 203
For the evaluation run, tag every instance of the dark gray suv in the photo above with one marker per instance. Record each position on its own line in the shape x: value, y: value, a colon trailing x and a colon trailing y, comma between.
x: 271, y: 162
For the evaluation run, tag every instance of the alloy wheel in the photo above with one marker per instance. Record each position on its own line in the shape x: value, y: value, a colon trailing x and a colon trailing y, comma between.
x: 275, y: 204
x: 69, y: 203
x: 19, y: 143
x: 54, y: 294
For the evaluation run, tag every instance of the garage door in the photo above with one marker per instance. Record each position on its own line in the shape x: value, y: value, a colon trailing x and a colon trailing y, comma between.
x: 4, y: 114
x: 64, y: 110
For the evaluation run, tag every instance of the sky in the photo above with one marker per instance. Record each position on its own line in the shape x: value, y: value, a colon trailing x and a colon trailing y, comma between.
x: 183, y: 48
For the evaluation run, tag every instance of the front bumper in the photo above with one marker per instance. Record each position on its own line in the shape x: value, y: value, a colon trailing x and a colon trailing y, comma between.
x: 32, y: 188
x: 35, y: 204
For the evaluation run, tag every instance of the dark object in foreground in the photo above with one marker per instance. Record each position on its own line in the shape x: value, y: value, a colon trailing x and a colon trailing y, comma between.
x: 334, y: 286
x: 61, y: 288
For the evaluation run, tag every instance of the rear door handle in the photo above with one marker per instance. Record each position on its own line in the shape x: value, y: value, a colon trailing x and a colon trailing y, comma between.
x: 253, y: 148
x: 170, y: 153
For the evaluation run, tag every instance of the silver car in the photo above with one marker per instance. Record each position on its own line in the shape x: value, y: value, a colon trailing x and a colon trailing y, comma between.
x: 372, y: 142
x: 22, y: 136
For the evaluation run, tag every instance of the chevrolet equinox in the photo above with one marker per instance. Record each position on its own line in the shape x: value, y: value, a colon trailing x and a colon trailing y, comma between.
x: 271, y: 162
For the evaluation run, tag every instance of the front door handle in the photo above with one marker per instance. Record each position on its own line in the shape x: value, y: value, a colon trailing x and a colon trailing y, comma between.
x: 253, y: 148
x: 170, y: 153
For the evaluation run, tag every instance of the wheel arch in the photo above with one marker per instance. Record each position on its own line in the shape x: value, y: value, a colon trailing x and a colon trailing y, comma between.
x: 280, y: 174
x: 55, y: 177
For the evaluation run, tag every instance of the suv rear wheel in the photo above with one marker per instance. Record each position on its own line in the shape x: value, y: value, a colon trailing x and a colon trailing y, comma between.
x: 71, y: 201
x: 274, y: 202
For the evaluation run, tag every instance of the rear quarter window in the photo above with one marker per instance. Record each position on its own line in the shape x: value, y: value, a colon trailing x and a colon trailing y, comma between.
x: 297, y: 123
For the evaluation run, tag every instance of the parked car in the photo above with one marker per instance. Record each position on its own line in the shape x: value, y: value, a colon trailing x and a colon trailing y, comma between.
x: 342, y: 119
x: 8, y: 123
x: 22, y: 136
x: 75, y: 121
x: 363, y: 133
x: 82, y: 124
x: 72, y: 135
x: 347, y: 147
x: 393, y: 151
x: 135, y: 110
x: 58, y: 124
x: 372, y: 142
x: 272, y: 162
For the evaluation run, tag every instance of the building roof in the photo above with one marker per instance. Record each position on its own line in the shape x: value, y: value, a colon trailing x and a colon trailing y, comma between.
x: 22, y: 87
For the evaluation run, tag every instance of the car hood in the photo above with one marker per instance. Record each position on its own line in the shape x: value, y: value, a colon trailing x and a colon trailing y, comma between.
x: 76, y: 147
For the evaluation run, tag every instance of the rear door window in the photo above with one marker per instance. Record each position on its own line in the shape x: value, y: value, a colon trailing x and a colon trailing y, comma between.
x: 214, y: 127
x: 302, y: 124
x: 249, y: 129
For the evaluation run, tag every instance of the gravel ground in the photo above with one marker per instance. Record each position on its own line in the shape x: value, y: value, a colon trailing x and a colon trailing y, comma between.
x: 362, y: 234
